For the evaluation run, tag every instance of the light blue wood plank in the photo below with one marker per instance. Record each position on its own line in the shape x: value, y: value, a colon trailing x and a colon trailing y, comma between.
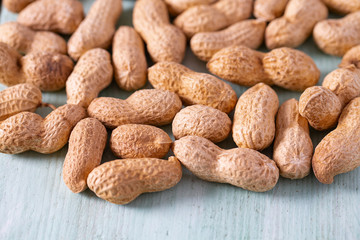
x: 36, y: 204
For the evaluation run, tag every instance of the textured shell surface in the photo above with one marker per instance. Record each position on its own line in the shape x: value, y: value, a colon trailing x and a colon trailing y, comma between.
x: 121, y: 181
x: 139, y: 141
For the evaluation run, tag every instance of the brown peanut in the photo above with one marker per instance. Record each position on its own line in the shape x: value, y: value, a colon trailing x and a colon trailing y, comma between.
x: 202, y: 121
x: 293, y: 148
x: 337, y: 36
x: 351, y: 57
x: 97, y: 29
x: 129, y: 59
x: 121, y: 181
x: 139, y: 141
x: 254, y: 117
x: 164, y: 41
x: 192, y: 87
x: 249, y: 33
x: 19, y: 98
x: 284, y: 67
x: 16, y: 5
x: 292, y: 29
x: 210, y: 18
x: 51, y: 15
x: 149, y: 106
x: 339, y: 151
x: 92, y: 73
x: 28, y: 131
x: 269, y: 9
x: 322, y: 106
x: 25, y: 40
x: 86, y: 146
x: 343, y: 6
x: 48, y: 71
x: 241, y: 167
x: 178, y: 6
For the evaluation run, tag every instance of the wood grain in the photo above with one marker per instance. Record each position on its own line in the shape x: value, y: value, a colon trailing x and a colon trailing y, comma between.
x: 36, y: 204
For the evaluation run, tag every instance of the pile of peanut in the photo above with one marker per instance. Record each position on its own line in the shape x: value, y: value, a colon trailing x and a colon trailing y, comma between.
x: 35, y: 58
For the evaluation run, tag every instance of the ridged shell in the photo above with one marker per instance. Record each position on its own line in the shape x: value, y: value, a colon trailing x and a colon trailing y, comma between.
x: 269, y: 9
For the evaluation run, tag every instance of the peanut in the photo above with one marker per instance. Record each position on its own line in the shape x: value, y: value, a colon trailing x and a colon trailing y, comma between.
x: 86, y: 146
x: 209, y: 18
x: 293, y: 148
x: 16, y: 5
x: 129, y: 59
x: 192, y: 87
x: 351, y: 57
x: 284, y: 67
x: 48, y: 71
x: 51, y: 15
x: 19, y: 98
x: 269, y: 9
x: 202, y: 121
x: 343, y: 6
x: 121, y: 181
x: 254, y: 117
x: 323, y: 105
x: 97, y: 29
x: 339, y: 151
x: 337, y: 36
x: 241, y: 167
x: 249, y: 33
x: 178, y: 6
x: 292, y: 29
x: 139, y: 141
x: 149, y: 106
x: 25, y: 40
x: 92, y: 73
x: 165, y: 42
x: 29, y: 131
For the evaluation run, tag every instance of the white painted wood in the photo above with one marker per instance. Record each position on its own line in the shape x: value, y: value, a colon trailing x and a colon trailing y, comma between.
x: 36, y: 204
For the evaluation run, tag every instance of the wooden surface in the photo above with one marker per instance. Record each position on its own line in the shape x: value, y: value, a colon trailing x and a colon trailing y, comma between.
x: 36, y: 204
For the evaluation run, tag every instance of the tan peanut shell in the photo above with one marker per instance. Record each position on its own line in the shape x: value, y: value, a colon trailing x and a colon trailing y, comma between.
x: 19, y: 98
x: 351, y: 57
x: 26, y: 40
x: 344, y: 82
x: 293, y: 148
x: 249, y: 33
x: 192, y: 87
x: 121, y: 181
x: 148, y: 106
x: 29, y: 131
x: 320, y: 106
x: 292, y: 29
x: 86, y: 146
x: 52, y: 15
x: 164, y: 41
x: 139, y: 141
x: 210, y: 18
x: 48, y: 71
x: 254, y: 117
x: 202, y: 121
x: 130, y: 67
x: 269, y: 9
x: 241, y: 167
x: 291, y: 69
x: 92, y: 73
x: 16, y: 5
x: 97, y: 29
x: 343, y: 6
x: 337, y: 36
x: 284, y: 67
x: 176, y: 7
x: 339, y: 151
